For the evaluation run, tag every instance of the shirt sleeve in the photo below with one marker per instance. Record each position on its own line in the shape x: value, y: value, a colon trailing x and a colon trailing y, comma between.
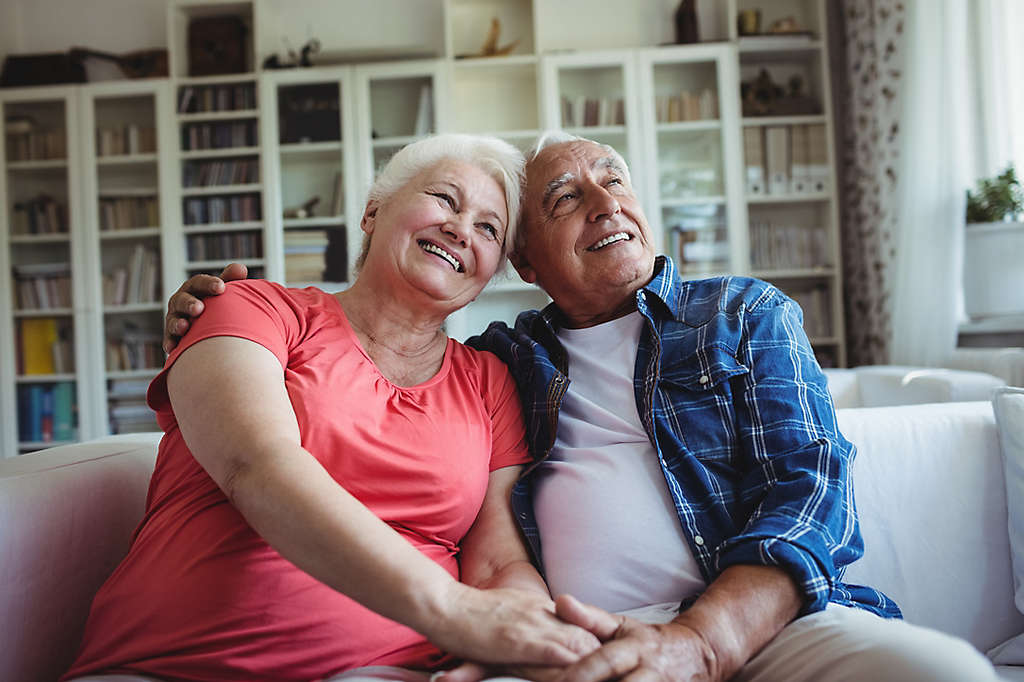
x: 508, y: 433
x: 805, y: 520
x: 256, y: 310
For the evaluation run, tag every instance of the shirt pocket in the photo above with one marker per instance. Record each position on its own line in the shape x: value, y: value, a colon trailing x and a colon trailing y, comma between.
x: 695, y: 398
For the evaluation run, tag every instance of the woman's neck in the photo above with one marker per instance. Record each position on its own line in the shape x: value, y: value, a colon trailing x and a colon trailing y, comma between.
x: 406, y: 345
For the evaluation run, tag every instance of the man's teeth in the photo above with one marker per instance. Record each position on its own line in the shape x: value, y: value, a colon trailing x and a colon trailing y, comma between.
x: 611, y: 239
x: 433, y: 248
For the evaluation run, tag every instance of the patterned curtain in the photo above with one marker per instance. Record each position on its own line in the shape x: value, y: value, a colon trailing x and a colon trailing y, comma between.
x: 868, y: 35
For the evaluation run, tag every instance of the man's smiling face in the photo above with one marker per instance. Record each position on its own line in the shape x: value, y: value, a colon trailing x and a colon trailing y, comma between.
x: 587, y: 241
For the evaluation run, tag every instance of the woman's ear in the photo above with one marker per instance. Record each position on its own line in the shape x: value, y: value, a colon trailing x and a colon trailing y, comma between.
x: 526, y: 272
x: 369, y: 219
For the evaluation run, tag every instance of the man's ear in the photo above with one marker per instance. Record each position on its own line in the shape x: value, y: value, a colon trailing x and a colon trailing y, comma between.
x: 369, y: 219
x: 525, y: 270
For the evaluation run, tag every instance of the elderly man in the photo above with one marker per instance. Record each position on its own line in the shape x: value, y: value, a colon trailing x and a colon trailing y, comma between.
x: 689, y: 473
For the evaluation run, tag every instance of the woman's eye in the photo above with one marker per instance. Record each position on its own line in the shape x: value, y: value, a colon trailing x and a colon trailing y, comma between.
x: 446, y: 198
x: 490, y: 229
x: 615, y: 181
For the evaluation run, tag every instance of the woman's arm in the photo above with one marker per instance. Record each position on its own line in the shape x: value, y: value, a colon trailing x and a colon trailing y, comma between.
x: 492, y: 553
x: 234, y: 413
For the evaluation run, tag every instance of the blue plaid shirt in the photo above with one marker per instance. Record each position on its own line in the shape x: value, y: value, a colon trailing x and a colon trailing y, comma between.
x: 738, y: 410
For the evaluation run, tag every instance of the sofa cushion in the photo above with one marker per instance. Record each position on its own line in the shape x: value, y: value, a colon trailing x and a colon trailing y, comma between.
x: 929, y: 489
x: 66, y: 518
x: 1008, y: 405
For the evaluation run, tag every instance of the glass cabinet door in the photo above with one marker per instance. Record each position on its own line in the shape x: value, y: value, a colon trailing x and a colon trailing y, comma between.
x: 693, y: 194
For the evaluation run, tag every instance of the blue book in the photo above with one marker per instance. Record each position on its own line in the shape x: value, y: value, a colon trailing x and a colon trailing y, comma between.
x: 63, y: 411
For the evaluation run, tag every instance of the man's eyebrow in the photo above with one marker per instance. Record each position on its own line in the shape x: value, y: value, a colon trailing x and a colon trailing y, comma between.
x: 554, y: 186
x: 611, y: 163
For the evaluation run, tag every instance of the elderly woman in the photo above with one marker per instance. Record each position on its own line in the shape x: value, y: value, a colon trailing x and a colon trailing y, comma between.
x: 333, y: 465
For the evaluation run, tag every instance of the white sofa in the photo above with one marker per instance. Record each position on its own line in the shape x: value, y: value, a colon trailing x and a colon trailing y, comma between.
x: 929, y: 484
x: 885, y: 385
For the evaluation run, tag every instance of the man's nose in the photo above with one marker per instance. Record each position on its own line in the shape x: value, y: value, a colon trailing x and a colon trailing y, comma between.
x: 602, y: 205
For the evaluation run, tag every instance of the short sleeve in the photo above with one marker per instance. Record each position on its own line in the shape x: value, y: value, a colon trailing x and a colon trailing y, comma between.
x: 508, y: 433
x: 256, y: 310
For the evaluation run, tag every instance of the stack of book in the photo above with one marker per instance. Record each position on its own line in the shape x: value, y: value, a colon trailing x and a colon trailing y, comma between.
x: 134, y: 349
x: 230, y: 209
x: 44, y: 347
x: 776, y: 246
x: 25, y: 142
x: 592, y: 111
x: 790, y: 159
x: 229, y: 97
x: 223, y: 135
x: 41, y: 215
x: 304, y: 255
x: 815, y: 304
x: 46, y: 412
x: 137, y: 282
x: 42, y: 286
x: 127, y: 139
x: 128, y: 212
x: 127, y: 407
x: 225, y: 245
x: 686, y: 106
x: 227, y: 172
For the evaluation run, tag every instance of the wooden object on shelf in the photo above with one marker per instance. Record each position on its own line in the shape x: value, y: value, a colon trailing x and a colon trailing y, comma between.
x: 53, y: 68
x: 216, y: 45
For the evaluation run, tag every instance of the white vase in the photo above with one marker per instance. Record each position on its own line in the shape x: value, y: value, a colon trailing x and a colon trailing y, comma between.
x: 994, y: 269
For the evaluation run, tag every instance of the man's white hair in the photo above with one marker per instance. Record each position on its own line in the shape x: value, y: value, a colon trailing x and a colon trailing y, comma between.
x: 550, y: 138
x: 499, y: 159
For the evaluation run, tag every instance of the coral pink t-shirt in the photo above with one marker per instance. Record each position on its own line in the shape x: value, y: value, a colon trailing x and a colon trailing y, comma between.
x: 201, y: 596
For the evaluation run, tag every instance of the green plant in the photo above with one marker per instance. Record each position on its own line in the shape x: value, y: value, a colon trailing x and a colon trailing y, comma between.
x: 999, y: 198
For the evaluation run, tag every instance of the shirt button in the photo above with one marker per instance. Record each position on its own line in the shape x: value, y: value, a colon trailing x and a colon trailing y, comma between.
x: 698, y: 540
x: 522, y: 515
x: 704, y: 379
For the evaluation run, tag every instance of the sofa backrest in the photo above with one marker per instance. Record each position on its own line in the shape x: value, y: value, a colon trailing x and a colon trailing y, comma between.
x: 66, y: 518
x: 931, y: 496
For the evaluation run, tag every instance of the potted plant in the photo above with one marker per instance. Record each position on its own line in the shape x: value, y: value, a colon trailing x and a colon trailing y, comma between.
x: 994, y: 247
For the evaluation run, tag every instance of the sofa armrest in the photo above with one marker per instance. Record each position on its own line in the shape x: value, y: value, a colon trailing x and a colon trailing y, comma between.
x: 931, y: 498
x: 66, y: 518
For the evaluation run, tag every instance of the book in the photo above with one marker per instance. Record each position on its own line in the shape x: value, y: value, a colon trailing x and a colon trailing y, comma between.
x: 63, y: 411
x: 425, y: 111
x: 338, y: 197
x: 777, y: 158
x: 800, y: 180
x: 753, y: 156
x: 38, y: 339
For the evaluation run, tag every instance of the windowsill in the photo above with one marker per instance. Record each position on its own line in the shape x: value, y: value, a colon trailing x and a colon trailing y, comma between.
x: 996, y: 331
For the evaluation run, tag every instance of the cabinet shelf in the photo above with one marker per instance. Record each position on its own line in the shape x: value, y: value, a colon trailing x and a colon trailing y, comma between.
x: 689, y: 126
x: 394, y: 141
x: 130, y: 233
x: 133, y: 308
x: 812, y: 119
x: 45, y: 378
x: 219, y: 79
x: 788, y: 198
x: 315, y: 221
x: 40, y: 165
x: 147, y: 373
x: 796, y: 273
x: 224, y: 227
x: 220, y: 189
x: 222, y: 151
x: 220, y: 263
x: 56, y: 237
x: 693, y: 201
x: 299, y: 149
x: 44, y: 312
x: 126, y: 159
x: 225, y: 115
x: 592, y: 131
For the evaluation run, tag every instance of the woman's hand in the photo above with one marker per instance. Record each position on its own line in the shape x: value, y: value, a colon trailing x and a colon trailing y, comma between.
x: 507, y: 625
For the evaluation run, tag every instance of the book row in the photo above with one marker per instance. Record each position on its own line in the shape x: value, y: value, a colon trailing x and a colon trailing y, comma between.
x: 226, y: 245
x: 774, y: 246
x: 41, y: 215
x: 219, y: 135
x: 42, y: 286
x: 686, y: 106
x: 789, y: 159
x: 204, y: 98
x: 127, y: 139
x: 136, y: 282
x: 592, y: 111
x: 44, y: 346
x: 125, y: 213
x: 47, y: 412
x: 135, y: 350
x: 37, y: 146
x: 229, y: 172
x: 700, y: 250
x: 205, y: 210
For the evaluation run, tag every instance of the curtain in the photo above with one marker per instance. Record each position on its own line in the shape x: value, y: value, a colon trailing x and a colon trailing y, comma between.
x: 868, y: 72
x: 932, y: 102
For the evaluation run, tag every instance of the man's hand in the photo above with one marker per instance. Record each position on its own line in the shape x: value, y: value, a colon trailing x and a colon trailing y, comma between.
x: 635, y: 652
x: 186, y: 302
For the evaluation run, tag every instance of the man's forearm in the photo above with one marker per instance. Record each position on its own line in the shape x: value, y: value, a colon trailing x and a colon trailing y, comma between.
x: 741, y: 611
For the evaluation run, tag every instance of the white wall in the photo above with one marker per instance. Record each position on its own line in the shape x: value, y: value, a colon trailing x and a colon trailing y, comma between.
x: 33, y: 26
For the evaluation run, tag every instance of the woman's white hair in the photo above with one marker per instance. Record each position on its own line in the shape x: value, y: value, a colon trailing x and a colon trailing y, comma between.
x: 499, y: 159
x: 550, y: 138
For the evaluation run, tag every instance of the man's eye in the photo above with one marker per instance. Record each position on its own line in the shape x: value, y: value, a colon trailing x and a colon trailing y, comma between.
x: 564, y: 197
x: 446, y: 198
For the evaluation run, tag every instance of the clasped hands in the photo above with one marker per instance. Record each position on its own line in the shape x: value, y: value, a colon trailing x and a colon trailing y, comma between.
x: 621, y: 649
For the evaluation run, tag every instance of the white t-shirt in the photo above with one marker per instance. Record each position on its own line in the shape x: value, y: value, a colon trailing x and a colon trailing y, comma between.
x: 609, y: 531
